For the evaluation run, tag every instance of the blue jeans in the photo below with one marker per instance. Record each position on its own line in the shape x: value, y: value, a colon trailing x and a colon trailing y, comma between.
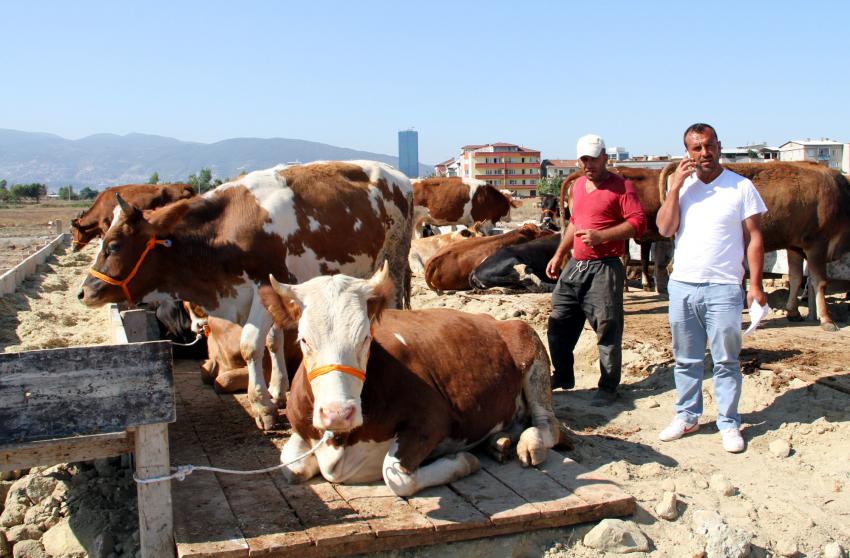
x: 711, y: 312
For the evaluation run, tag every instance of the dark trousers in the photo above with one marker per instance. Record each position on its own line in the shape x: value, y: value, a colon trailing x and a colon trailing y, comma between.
x: 588, y: 290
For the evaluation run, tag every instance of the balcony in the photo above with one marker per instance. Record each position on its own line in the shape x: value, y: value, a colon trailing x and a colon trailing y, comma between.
x: 507, y: 165
x: 508, y: 176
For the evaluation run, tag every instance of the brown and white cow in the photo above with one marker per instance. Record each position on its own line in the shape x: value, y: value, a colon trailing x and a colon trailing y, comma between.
x: 456, y: 201
x: 421, y: 249
x: 95, y: 221
x: 406, y: 393
x: 449, y: 268
x: 217, y: 250
x: 808, y: 215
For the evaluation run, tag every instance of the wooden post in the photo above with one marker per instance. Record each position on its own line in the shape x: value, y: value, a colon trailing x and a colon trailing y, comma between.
x: 156, y: 520
x: 140, y: 325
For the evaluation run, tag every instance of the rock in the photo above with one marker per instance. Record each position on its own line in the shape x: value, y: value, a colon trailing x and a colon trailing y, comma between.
x: 669, y: 485
x: 722, y: 486
x: 38, y: 487
x: 61, y: 540
x: 721, y: 541
x: 617, y: 536
x: 102, y: 546
x: 5, y: 486
x: 13, y: 514
x: 833, y: 550
x: 5, y: 547
x: 786, y: 547
x: 666, y: 508
x: 703, y: 520
x: 780, y: 448
x: 24, y: 532
x: 104, y: 468
x: 699, y: 481
x: 29, y: 549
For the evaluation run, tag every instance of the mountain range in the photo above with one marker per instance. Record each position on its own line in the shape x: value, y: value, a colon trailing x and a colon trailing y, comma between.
x: 103, y: 160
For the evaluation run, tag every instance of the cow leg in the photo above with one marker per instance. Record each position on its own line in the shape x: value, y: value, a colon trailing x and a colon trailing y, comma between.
x: 209, y: 371
x: 301, y: 470
x: 817, y: 272
x: 534, y: 442
x: 252, y: 345
x: 645, y: 249
x: 279, y: 381
x: 500, y: 443
x: 662, y: 253
x: 795, y: 281
x: 440, y: 471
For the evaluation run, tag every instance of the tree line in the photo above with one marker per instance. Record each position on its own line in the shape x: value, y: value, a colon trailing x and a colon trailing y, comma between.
x: 201, y: 181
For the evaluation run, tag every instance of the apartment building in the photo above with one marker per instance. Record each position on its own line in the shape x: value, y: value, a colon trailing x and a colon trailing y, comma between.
x: 503, y: 165
x: 558, y: 168
x: 833, y: 154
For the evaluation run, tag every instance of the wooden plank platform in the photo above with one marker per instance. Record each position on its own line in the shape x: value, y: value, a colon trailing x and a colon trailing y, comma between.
x: 219, y: 515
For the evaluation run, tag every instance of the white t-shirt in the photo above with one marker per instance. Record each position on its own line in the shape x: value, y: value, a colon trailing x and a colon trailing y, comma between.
x: 710, y: 239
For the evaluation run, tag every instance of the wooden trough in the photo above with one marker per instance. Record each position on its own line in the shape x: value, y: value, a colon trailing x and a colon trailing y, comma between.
x: 218, y: 515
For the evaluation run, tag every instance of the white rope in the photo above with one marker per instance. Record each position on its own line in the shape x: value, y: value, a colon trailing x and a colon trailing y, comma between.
x: 183, y: 471
x: 197, y: 338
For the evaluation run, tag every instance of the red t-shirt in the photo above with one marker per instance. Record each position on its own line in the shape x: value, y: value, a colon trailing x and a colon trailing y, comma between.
x: 613, y: 202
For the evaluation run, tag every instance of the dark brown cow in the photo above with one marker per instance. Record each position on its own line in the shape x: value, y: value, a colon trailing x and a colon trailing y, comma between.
x: 217, y: 250
x: 645, y: 183
x: 449, y: 268
x: 405, y: 393
x: 455, y: 201
x: 95, y: 221
x: 808, y: 215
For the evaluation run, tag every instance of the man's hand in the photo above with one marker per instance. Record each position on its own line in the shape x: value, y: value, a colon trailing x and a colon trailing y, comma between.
x: 755, y: 292
x: 590, y: 237
x: 686, y: 167
x: 553, y: 268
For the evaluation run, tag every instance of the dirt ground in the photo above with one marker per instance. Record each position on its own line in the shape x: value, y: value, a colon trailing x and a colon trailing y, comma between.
x: 796, y: 387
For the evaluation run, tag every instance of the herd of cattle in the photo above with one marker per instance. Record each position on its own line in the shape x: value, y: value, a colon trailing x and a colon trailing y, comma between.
x: 311, y: 264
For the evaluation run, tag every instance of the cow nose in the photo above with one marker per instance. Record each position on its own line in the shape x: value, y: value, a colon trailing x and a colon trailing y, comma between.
x: 80, y: 294
x: 337, y: 416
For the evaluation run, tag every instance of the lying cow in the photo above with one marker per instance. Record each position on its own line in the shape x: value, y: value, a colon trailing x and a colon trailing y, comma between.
x: 95, y: 221
x: 500, y: 269
x: 421, y: 249
x: 808, y: 214
x: 449, y: 268
x: 406, y: 394
x: 218, y: 250
x: 456, y: 201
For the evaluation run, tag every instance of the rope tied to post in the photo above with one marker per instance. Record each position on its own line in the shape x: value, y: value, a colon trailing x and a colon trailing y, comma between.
x: 182, y: 471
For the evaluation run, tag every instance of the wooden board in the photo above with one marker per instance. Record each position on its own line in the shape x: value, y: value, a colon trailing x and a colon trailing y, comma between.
x: 263, y: 515
x: 59, y: 393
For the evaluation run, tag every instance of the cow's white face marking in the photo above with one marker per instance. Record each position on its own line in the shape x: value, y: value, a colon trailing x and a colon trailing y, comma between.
x: 358, y: 224
x: 400, y: 339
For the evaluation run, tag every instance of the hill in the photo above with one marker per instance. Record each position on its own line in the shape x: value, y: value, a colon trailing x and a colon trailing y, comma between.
x: 104, y: 160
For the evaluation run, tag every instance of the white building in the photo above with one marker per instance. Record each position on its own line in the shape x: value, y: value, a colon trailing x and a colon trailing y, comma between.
x: 835, y: 155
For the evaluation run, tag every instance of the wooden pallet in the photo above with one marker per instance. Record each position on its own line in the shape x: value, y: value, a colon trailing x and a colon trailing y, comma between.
x: 232, y: 515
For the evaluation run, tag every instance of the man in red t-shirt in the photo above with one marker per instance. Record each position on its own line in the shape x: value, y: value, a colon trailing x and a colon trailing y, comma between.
x: 605, y: 212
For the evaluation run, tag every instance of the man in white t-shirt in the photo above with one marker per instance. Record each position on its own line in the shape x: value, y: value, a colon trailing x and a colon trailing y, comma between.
x: 715, y: 216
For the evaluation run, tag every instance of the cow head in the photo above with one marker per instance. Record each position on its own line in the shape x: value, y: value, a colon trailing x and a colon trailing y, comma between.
x: 82, y: 234
x: 126, y: 267
x: 334, y: 315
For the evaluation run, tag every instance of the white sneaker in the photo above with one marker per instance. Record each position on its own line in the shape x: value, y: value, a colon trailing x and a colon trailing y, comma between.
x: 732, y: 440
x: 677, y: 429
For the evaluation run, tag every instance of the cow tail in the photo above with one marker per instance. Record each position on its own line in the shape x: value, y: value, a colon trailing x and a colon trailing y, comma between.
x: 537, y: 392
x: 662, y: 180
x: 565, y: 187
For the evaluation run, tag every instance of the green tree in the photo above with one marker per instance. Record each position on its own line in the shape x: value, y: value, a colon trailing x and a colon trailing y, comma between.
x: 34, y: 191
x: 88, y: 194
x: 67, y: 193
x: 551, y: 186
x: 5, y: 194
x: 154, y: 179
x: 201, y: 181
x: 3, y: 184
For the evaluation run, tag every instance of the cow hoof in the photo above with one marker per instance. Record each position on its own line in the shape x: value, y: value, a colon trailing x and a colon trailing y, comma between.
x: 829, y: 326
x: 266, y: 421
x: 500, y: 449
x: 794, y: 318
x: 470, y: 461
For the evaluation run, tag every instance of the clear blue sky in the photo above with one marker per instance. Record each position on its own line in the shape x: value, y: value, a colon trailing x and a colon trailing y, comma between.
x: 352, y: 74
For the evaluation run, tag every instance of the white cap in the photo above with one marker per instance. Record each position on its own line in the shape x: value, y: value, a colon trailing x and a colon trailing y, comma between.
x: 590, y: 145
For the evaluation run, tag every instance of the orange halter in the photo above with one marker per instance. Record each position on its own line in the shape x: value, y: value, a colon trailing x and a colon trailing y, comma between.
x: 350, y: 370
x: 152, y: 242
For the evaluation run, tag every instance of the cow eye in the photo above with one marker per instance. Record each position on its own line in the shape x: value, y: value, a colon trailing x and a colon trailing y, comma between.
x: 113, y: 247
x: 304, y: 345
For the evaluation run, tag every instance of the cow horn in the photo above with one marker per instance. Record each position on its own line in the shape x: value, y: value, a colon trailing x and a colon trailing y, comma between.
x: 380, y: 276
x: 281, y: 288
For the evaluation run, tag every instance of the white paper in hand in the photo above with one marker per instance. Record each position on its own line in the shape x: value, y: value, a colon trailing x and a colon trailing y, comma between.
x: 757, y: 312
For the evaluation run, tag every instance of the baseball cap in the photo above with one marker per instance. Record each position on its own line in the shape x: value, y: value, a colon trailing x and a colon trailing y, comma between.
x: 590, y: 145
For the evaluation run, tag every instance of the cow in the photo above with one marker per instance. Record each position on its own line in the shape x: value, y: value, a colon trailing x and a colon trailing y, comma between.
x: 500, y: 269
x: 217, y: 250
x: 646, y: 183
x: 550, y: 212
x: 449, y: 268
x: 406, y: 393
x: 808, y: 215
x: 175, y: 325
x: 94, y: 221
x: 421, y: 249
x: 456, y: 201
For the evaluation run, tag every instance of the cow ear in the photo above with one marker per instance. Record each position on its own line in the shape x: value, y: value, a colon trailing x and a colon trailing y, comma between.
x: 383, y: 291
x: 515, y: 203
x: 131, y: 212
x: 281, y: 303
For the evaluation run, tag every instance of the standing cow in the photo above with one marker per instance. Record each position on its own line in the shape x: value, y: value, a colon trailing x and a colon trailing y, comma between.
x: 95, y: 221
x: 217, y: 250
x: 456, y: 201
x: 808, y: 215
x: 407, y: 393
